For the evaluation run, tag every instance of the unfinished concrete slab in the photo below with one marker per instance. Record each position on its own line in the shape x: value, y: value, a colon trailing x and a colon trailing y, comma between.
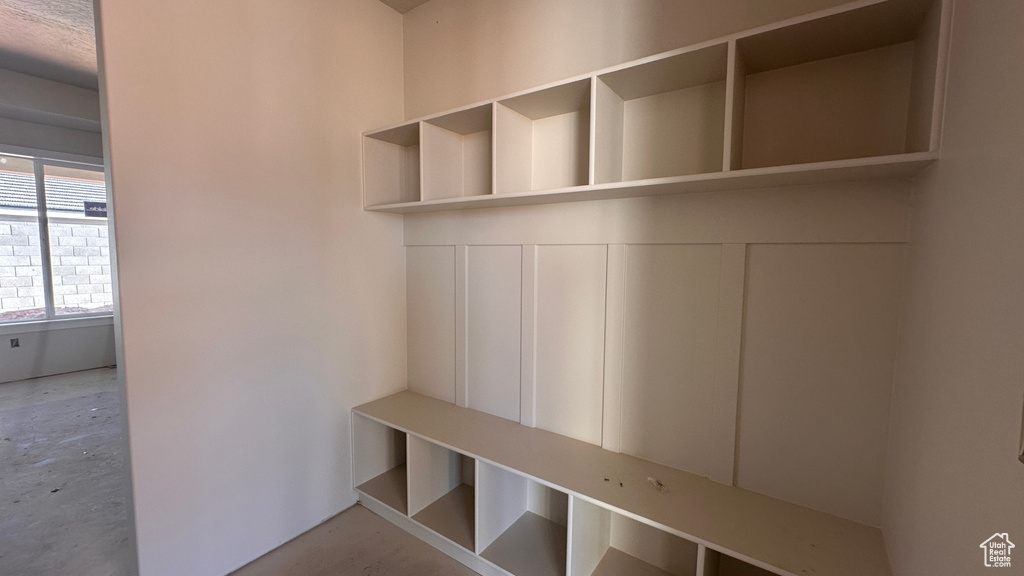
x: 63, y: 491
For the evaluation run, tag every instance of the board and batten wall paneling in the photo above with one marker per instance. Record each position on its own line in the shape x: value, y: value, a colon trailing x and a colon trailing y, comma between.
x: 569, y: 336
x: 430, y: 298
x: 493, y: 329
x: 818, y: 355
x: 671, y: 320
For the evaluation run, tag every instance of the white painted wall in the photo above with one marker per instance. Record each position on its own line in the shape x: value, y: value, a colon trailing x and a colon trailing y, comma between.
x: 244, y: 117
x: 463, y: 51
x: 668, y: 348
x: 56, y: 347
x: 953, y: 476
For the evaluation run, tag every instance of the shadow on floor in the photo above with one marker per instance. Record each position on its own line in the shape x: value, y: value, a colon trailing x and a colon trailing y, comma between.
x: 355, y: 542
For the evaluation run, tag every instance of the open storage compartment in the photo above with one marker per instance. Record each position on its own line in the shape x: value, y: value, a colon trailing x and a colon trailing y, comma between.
x: 718, y: 564
x: 543, y: 139
x: 441, y: 493
x: 606, y: 543
x: 379, y: 457
x: 522, y: 523
x: 662, y: 118
x: 855, y: 84
x: 457, y: 154
x: 391, y: 166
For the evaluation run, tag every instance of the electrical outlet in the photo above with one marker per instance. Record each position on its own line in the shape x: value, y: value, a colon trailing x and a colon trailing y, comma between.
x: 15, y: 343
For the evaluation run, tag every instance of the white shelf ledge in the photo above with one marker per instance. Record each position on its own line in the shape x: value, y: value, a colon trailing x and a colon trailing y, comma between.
x: 873, y: 168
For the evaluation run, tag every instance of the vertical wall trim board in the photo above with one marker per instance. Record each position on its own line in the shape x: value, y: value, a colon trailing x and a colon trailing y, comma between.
x: 727, y: 362
x: 730, y: 108
x: 615, y: 302
x: 420, y: 152
x: 592, y: 161
x: 461, y: 327
x: 528, y: 369
x: 941, y: 75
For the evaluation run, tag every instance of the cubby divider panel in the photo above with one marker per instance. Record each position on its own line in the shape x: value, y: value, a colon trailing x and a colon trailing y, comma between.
x: 391, y: 166
x: 379, y: 462
x: 441, y: 491
x: 457, y: 155
x: 522, y: 523
x: 543, y: 139
x: 662, y: 118
x: 606, y: 543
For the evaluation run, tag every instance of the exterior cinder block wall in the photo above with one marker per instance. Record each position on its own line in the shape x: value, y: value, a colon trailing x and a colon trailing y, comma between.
x: 81, y: 264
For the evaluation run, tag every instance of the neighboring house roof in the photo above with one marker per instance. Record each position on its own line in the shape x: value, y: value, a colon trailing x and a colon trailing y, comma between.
x: 62, y: 194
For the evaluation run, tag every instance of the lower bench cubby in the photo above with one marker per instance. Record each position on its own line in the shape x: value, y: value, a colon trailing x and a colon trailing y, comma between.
x: 378, y: 467
x: 718, y: 564
x: 522, y: 523
x: 442, y: 494
x: 506, y: 499
x: 605, y: 543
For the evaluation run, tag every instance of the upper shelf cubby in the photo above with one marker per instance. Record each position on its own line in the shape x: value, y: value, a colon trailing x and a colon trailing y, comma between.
x: 854, y: 84
x: 853, y: 92
x: 662, y: 118
x: 391, y: 165
x: 457, y: 154
x: 543, y: 139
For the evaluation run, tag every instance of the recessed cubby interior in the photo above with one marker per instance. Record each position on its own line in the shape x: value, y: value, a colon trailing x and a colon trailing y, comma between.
x: 718, y: 564
x: 605, y: 543
x: 543, y: 139
x: 663, y: 118
x: 379, y: 462
x: 457, y: 154
x: 391, y: 165
x: 852, y: 85
x: 441, y: 493
x: 522, y: 523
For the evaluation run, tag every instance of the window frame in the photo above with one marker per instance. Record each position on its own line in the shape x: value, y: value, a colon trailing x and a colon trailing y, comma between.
x: 39, y: 164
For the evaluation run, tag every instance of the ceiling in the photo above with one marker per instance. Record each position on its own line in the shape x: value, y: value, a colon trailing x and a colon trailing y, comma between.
x: 56, y: 39
x: 403, y: 6
x: 53, y: 39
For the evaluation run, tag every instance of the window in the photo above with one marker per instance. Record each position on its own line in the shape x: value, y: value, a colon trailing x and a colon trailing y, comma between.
x: 54, y: 248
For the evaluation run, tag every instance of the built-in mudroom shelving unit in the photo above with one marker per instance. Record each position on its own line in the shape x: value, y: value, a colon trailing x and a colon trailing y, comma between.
x: 508, y: 499
x: 853, y: 92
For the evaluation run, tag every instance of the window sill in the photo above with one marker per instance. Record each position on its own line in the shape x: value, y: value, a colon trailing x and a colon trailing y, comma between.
x: 55, y: 324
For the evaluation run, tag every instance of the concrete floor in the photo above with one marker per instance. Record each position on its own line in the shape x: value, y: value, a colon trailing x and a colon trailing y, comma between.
x: 356, y: 542
x: 63, y: 497
x: 62, y: 485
